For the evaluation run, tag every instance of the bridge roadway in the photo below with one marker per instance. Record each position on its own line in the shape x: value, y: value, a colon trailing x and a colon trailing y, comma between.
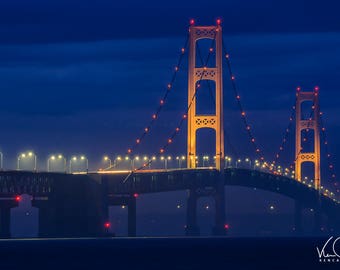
x: 77, y: 204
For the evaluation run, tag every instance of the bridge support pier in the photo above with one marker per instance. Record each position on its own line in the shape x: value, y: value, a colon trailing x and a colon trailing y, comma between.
x: 130, y: 201
x: 217, y: 192
x: 132, y: 217
x: 47, y: 219
x: 317, y: 221
x: 317, y: 230
x: 298, y: 218
x: 220, y: 229
x: 191, y: 228
x: 5, y: 218
x: 5, y: 223
x: 104, y: 231
x: 47, y: 222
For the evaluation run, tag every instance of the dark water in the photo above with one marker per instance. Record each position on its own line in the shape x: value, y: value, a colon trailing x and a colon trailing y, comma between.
x: 162, y: 253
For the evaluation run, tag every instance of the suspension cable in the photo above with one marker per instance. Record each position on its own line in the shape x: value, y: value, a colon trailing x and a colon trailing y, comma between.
x: 239, y: 104
x: 330, y: 162
x: 184, y: 117
x: 226, y: 135
x: 162, y: 102
x: 285, y: 136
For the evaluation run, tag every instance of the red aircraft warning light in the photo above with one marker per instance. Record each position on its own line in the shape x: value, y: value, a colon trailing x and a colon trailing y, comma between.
x: 135, y: 195
x: 192, y: 22
x: 107, y: 225
x: 18, y: 198
x: 226, y: 226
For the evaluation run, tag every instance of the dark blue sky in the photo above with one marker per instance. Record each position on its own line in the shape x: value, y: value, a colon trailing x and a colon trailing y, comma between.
x: 85, y: 76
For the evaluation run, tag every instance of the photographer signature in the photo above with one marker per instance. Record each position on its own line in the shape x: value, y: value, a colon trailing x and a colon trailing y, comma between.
x: 323, y: 254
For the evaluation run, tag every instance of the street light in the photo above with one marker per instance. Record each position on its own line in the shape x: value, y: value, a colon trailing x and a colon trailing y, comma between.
x: 106, y: 158
x: 48, y: 162
x: 27, y: 155
x: 169, y: 159
x: 81, y: 158
x: 205, y: 158
x: 180, y: 159
x: 74, y: 159
x: 279, y: 169
x: 146, y: 161
x: 127, y: 158
x: 23, y: 155
x: 238, y: 161
x: 87, y: 162
x: 153, y: 158
x: 136, y: 158
x: 116, y: 161
x: 61, y: 157
x: 228, y: 161
x: 249, y: 161
x: 58, y: 157
x: 165, y: 159
x: 31, y: 154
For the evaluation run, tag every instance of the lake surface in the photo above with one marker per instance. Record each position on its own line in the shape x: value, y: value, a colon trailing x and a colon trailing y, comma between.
x: 161, y: 253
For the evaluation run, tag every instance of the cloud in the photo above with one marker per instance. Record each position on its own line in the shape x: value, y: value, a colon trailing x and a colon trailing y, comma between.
x: 109, y: 89
x: 107, y: 74
x: 64, y: 21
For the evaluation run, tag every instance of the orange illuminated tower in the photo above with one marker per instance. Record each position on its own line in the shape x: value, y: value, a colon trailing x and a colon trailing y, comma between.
x: 196, y: 74
x: 306, y: 124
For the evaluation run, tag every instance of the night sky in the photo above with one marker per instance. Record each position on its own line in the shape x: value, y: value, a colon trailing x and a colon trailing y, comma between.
x: 84, y: 77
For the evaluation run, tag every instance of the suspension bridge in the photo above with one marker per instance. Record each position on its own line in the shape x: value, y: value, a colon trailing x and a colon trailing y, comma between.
x: 76, y: 204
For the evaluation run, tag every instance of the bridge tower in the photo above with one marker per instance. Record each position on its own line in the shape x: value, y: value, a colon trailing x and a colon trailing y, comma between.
x: 214, y: 121
x: 311, y: 123
x: 198, y: 73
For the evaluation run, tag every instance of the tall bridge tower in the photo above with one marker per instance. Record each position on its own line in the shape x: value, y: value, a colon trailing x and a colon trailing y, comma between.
x: 312, y: 123
x: 196, y: 74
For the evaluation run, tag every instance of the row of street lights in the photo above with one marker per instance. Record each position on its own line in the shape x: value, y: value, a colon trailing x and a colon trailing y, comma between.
x: 206, y: 162
x: 59, y: 161
x: 180, y: 159
x: 147, y: 160
x: 75, y: 162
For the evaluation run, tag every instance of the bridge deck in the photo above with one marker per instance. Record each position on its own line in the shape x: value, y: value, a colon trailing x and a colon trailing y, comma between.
x: 152, y: 181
